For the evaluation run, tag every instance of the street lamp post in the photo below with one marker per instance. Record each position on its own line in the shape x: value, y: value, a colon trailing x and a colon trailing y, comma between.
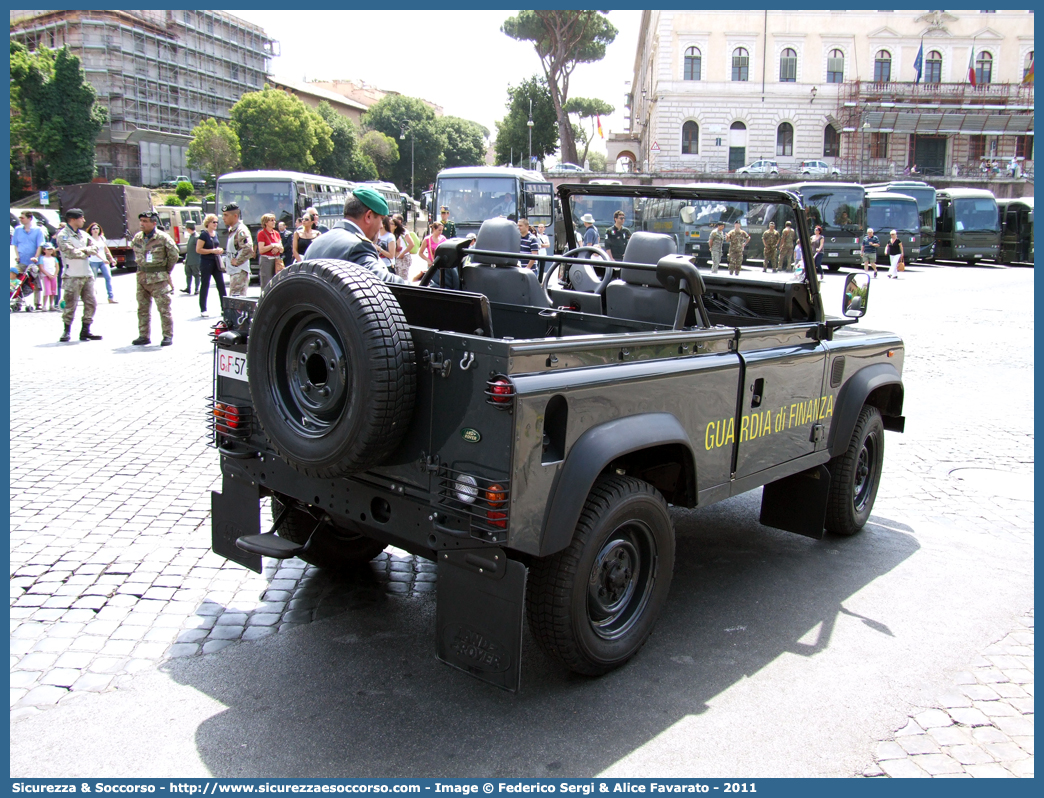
x: 403, y: 128
x: 862, y: 147
x: 529, y: 124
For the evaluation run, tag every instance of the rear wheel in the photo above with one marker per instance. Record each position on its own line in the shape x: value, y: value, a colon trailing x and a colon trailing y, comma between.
x: 333, y: 549
x: 856, y: 475
x: 593, y: 605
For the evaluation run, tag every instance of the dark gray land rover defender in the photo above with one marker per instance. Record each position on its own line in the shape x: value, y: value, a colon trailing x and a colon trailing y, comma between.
x: 530, y: 436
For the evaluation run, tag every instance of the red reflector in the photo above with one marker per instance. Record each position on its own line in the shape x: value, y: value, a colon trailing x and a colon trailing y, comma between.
x: 502, y: 391
x: 493, y: 515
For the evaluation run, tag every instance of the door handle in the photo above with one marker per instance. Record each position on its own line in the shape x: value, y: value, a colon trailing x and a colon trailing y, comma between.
x: 757, y: 389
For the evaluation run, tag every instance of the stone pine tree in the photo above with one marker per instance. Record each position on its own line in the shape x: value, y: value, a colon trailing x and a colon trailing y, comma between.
x: 214, y: 149
x: 59, y: 118
x: 465, y: 142
x: 584, y: 108
x: 513, y: 132
x: 563, y: 39
x: 383, y: 151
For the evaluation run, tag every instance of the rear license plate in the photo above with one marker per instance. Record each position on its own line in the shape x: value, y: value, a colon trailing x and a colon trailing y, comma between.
x: 831, y: 254
x: 232, y: 365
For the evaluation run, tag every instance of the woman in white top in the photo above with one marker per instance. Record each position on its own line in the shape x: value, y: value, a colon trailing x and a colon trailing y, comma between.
x: 385, y: 244
x: 100, y: 265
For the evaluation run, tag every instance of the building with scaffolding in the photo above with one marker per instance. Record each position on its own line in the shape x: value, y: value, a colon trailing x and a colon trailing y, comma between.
x: 712, y: 91
x: 158, y: 74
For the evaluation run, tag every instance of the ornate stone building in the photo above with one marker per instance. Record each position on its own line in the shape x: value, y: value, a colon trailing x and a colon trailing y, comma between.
x: 714, y: 90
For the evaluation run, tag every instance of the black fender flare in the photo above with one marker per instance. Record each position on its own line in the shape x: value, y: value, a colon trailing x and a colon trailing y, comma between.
x: 853, y: 396
x: 589, y: 456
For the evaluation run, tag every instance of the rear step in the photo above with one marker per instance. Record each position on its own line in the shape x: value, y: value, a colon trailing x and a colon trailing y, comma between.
x: 269, y: 544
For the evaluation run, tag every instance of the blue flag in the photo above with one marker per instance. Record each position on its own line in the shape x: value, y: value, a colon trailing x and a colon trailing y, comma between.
x: 919, y: 61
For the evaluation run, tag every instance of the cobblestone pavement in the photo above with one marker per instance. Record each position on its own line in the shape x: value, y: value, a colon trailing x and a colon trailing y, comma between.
x: 112, y: 574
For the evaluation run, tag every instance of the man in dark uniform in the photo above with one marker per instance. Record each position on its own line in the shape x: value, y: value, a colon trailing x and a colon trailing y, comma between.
x: 617, y: 236
x: 352, y: 238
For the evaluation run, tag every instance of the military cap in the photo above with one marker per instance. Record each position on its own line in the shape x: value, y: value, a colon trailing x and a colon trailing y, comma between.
x: 74, y: 213
x: 372, y: 200
x: 232, y: 206
x: 151, y: 216
x: 443, y: 209
x: 191, y: 225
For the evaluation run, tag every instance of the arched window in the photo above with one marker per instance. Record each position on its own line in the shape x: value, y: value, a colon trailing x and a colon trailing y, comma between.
x: 831, y: 142
x: 836, y: 67
x: 690, y: 139
x: 882, y: 66
x: 788, y: 66
x: 693, y: 64
x: 933, y: 67
x: 983, y: 68
x: 1027, y: 70
x: 740, y: 64
x: 785, y: 139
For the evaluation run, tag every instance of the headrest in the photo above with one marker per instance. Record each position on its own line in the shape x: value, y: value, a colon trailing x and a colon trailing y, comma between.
x: 498, y: 235
x: 643, y: 247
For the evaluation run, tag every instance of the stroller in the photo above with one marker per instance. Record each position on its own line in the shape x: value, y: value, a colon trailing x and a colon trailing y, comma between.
x: 22, y: 286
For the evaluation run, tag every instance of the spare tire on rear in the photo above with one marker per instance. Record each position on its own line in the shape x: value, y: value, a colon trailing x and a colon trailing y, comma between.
x: 331, y: 368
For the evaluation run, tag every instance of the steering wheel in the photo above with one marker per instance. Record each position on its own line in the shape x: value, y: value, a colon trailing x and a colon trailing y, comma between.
x: 588, y: 279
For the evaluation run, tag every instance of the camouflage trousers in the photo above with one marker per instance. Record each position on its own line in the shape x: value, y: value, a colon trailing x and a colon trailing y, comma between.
x: 159, y: 291
x: 735, y: 260
x: 786, y: 259
x: 73, y: 290
x: 771, y: 259
x: 237, y: 283
x: 715, y: 258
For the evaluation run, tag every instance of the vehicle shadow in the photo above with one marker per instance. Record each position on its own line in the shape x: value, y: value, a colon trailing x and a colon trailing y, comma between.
x: 361, y: 694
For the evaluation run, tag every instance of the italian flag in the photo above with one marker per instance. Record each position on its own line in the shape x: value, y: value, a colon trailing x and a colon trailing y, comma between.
x: 971, y: 66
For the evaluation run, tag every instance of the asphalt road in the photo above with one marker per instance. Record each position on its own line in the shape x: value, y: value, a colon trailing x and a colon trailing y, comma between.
x: 776, y: 655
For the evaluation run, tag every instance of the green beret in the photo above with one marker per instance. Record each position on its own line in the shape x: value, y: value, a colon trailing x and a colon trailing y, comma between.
x: 372, y: 200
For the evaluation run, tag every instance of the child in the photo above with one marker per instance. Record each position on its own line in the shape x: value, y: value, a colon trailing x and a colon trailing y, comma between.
x: 49, y: 277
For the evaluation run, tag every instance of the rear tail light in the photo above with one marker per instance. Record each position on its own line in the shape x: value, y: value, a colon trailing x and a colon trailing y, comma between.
x: 481, y: 500
x: 217, y: 329
x: 177, y: 235
x: 229, y: 420
x: 500, y: 393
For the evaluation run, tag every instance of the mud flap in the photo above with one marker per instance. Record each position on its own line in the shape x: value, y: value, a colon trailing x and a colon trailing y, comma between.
x: 798, y: 503
x: 481, y: 597
x: 235, y: 512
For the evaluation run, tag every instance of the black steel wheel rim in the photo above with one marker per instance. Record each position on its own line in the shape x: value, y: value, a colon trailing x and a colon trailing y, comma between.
x: 865, y: 472
x: 311, y: 372
x: 621, y: 580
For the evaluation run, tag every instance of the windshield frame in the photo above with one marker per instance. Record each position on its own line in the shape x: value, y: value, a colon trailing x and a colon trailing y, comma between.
x: 751, y: 196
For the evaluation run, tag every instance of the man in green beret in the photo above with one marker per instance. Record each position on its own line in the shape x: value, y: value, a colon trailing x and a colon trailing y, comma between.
x: 352, y: 238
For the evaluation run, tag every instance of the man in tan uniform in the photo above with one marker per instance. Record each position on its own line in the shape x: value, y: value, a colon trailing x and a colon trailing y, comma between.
x: 770, y: 240
x: 155, y: 255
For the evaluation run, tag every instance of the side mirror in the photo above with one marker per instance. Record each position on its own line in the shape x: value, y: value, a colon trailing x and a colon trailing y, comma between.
x: 688, y: 215
x: 857, y: 292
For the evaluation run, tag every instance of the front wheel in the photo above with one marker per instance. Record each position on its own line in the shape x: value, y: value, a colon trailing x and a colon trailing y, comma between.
x: 856, y: 475
x: 594, y: 604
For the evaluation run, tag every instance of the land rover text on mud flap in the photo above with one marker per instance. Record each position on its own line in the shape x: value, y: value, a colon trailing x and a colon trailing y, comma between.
x: 530, y: 438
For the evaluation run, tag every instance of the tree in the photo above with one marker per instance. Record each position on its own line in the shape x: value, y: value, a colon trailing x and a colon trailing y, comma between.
x: 429, y: 140
x: 184, y: 190
x: 278, y: 131
x: 382, y: 151
x: 563, y: 39
x: 465, y: 142
x: 343, y: 159
x: 214, y: 149
x: 589, y: 109
x: 512, y: 131
x: 58, y: 116
x: 598, y: 162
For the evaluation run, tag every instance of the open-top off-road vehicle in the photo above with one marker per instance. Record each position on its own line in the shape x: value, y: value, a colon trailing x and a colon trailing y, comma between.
x: 530, y: 438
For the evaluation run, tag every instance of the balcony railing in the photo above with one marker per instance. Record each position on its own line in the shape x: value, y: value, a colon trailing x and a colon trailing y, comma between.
x: 1015, y: 93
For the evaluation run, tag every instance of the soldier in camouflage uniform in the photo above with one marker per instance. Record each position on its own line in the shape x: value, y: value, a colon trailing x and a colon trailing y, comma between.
x: 155, y: 254
x: 787, y: 240
x: 239, y: 248
x: 738, y: 239
x: 78, y: 283
x: 717, y: 240
x: 770, y: 240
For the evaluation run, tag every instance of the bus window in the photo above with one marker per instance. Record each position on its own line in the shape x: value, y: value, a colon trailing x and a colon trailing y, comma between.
x: 978, y: 215
x: 885, y: 214
x: 256, y: 198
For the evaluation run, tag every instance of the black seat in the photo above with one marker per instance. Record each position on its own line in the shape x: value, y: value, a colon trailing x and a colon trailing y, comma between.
x: 499, y: 277
x: 638, y: 294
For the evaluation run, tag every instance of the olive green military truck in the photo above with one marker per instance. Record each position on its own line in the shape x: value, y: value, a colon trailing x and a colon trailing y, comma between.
x: 530, y: 437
